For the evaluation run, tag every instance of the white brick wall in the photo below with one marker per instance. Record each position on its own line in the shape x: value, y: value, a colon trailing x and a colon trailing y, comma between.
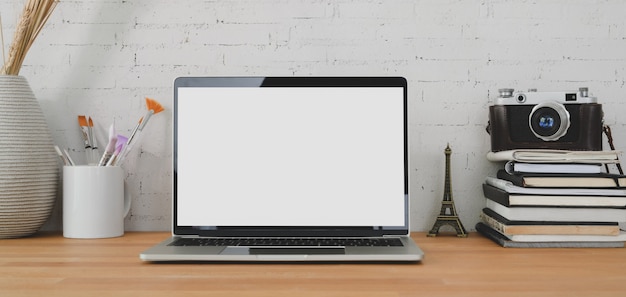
x: 101, y: 57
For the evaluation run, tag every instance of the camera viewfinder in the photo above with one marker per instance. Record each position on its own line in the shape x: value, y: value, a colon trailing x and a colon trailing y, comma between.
x: 570, y: 97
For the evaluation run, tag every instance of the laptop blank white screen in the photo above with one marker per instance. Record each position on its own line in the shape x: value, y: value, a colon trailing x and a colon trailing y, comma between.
x: 290, y: 156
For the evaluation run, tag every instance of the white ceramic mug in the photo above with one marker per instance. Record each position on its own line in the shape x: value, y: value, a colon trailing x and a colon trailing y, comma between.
x: 95, y: 201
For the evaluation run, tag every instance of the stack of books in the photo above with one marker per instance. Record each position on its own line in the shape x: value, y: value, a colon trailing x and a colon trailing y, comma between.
x: 554, y: 198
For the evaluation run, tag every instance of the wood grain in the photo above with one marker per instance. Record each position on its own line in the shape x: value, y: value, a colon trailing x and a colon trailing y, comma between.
x: 49, y: 265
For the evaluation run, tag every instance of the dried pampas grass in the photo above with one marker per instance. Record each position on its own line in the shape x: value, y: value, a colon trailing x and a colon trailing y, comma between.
x: 32, y: 20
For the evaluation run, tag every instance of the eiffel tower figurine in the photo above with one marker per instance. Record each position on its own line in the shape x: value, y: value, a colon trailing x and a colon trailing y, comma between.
x: 448, y: 215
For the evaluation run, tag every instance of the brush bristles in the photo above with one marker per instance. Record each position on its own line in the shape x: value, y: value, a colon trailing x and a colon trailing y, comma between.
x: 153, y: 105
x: 82, y: 121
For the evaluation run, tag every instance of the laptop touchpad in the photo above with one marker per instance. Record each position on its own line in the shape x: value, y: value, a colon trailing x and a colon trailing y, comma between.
x: 283, y: 251
x: 297, y: 251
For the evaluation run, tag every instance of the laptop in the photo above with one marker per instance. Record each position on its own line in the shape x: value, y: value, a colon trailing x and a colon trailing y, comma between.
x: 289, y: 169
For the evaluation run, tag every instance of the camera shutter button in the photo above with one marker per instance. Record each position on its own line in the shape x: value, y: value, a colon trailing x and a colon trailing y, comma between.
x: 584, y: 92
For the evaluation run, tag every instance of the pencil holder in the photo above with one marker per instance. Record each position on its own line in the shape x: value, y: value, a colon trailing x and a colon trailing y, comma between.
x: 95, y: 201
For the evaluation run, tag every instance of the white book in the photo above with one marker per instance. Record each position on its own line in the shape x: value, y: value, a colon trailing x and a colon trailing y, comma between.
x: 555, y: 156
x: 566, y: 238
x: 589, y: 168
x: 558, y: 214
x: 509, y: 187
x: 514, y: 199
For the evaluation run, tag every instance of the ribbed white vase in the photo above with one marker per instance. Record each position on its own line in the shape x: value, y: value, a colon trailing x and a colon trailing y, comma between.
x: 29, y: 171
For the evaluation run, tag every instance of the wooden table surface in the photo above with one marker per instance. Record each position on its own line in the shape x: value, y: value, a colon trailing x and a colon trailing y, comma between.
x: 49, y: 265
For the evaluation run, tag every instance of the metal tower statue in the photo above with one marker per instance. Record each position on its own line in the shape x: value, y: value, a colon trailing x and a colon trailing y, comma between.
x: 448, y: 215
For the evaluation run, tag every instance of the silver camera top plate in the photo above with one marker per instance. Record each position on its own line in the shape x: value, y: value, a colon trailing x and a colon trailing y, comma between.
x: 511, y: 97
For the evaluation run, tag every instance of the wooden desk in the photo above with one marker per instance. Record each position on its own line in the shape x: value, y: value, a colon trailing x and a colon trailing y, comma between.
x: 50, y: 265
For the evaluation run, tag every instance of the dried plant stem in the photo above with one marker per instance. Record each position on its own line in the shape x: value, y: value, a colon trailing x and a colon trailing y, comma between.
x: 4, y: 58
x: 32, y: 20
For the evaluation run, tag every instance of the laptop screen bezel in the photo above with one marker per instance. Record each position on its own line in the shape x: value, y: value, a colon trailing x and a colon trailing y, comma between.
x: 277, y: 82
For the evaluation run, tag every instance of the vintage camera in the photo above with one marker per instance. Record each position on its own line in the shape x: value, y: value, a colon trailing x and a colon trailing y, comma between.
x: 545, y: 120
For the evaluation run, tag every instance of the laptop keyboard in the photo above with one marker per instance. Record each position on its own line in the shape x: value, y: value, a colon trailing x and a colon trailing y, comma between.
x: 287, y: 242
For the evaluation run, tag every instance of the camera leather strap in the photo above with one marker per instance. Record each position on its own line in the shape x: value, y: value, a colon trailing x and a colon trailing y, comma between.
x: 609, y: 137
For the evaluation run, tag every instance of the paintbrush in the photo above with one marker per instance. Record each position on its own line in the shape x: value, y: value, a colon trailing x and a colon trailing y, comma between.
x: 92, y: 137
x: 63, y: 158
x: 110, y: 148
x: 121, y: 142
x: 84, y: 129
x: 153, y: 107
x: 92, y: 141
x: 69, y: 158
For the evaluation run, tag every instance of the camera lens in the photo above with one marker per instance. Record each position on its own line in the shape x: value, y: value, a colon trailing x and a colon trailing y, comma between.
x: 549, y: 121
x: 545, y: 121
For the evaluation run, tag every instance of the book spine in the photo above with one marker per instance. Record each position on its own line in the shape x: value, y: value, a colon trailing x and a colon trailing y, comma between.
x: 493, y: 223
x: 496, y: 195
x: 516, y: 180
